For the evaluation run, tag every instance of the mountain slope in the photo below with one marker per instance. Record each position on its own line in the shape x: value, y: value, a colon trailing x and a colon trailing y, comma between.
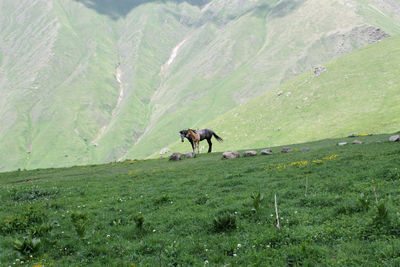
x: 358, y: 93
x: 274, y: 45
x: 98, y: 81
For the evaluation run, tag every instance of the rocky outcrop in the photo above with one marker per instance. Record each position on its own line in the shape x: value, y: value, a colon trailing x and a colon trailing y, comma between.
x: 250, y: 153
x: 266, y: 151
x: 319, y: 70
x: 394, y: 138
x: 230, y: 155
x: 286, y: 150
x: 175, y: 156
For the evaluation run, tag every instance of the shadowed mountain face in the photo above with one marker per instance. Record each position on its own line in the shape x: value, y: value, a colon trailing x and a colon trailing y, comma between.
x: 79, y: 87
x: 120, y: 8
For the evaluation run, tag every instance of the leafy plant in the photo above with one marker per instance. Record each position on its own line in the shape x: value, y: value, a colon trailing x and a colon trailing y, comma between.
x: 392, y: 174
x: 382, y: 214
x: 363, y: 202
x: 224, y: 222
x: 79, y: 221
x: 40, y: 230
x: 139, y: 220
x: 33, y: 193
x: 116, y: 222
x: 27, y: 246
x: 257, y: 199
x: 163, y: 199
x: 202, y: 200
x: 30, y: 219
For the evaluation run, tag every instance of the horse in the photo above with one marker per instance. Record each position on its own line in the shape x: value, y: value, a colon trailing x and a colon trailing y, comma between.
x: 204, y: 134
x: 195, y: 139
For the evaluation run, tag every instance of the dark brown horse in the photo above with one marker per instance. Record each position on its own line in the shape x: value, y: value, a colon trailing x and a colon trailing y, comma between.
x: 204, y: 134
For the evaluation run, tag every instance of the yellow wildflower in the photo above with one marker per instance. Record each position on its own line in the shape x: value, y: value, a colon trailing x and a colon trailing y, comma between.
x: 299, y: 163
x: 330, y: 157
x: 318, y: 161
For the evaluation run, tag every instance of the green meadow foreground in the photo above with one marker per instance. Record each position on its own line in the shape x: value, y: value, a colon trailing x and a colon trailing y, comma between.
x: 338, y: 205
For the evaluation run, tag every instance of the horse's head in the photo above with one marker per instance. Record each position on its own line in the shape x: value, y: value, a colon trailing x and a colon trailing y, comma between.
x: 183, y: 134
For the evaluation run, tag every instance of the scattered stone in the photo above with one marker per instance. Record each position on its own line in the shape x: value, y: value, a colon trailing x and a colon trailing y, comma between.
x: 319, y: 70
x: 230, y: 155
x: 266, y: 151
x: 286, y: 150
x: 279, y: 93
x: 342, y: 143
x: 96, y: 144
x: 288, y: 93
x: 249, y: 153
x: 304, y: 149
x: 394, y: 138
x: 175, y: 156
x: 190, y: 155
x: 375, y: 34
x: 357, y: 142
x: 164, y: 151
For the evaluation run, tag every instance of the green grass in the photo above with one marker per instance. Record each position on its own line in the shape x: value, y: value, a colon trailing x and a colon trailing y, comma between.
x: 154, y: 212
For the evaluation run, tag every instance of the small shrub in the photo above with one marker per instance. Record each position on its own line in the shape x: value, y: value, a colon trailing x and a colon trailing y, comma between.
x: 224, y: 222
x: 79, y: 220
x: 201, y: 200
x: 382, y: 215
x: 163, y: 199
x: 33, y: 193
x: 392, y: 174
x: 22, y: 222
x: 40, y: 230
x: 363, y: 202
x: 116, y: 222
x: 27, y: 246
x: 257, y: 199
x: 139, y: 220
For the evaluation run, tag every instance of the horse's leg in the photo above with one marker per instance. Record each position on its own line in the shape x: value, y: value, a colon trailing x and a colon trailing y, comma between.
x: 198, y: 147
x: 193, y: 144
x: 209, y: 145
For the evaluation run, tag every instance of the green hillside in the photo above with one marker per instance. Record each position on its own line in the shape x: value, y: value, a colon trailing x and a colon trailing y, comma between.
x: 337, y: 206
x: 358, y: 93
x: 97, y: 81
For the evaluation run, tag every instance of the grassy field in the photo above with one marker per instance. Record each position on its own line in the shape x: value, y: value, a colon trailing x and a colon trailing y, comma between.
x: 338, y: 205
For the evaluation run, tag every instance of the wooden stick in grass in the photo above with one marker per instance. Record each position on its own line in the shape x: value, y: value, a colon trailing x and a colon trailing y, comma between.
x: 277, y: 216
x: 373, y: 188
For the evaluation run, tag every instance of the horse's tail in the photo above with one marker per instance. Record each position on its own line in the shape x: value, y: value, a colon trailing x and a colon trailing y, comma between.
x: 217, y: 137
